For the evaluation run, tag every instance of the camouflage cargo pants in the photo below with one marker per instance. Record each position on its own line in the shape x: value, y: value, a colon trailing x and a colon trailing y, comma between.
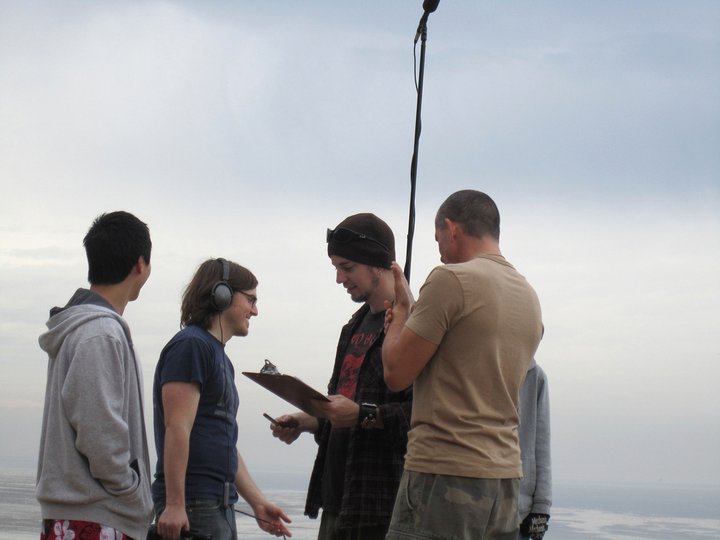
x: 431, y: 506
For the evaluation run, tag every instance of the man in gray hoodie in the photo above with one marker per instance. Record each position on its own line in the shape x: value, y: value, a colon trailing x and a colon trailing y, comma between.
x: 94, y: 470
x: 536, y: 484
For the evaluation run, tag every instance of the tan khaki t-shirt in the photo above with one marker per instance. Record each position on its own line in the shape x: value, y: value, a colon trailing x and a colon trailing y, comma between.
x: 485, y: 319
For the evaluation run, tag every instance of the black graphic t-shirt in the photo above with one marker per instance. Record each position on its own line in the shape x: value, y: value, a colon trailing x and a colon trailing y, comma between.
x: 334, y: 474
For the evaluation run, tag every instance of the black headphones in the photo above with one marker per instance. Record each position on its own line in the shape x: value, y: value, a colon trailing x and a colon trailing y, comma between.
x: 221, y: 293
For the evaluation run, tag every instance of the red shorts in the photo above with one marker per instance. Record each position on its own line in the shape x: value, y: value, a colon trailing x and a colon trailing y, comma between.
x: 63, y: 529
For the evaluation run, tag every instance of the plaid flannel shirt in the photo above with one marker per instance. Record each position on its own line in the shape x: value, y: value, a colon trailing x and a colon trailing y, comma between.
x: 375, y: 457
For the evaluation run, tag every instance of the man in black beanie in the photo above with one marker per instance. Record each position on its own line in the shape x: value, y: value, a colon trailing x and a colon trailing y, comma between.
x: 363, y: 437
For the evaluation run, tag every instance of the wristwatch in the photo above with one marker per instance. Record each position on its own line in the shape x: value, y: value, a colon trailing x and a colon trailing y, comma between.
x: 368, y: 415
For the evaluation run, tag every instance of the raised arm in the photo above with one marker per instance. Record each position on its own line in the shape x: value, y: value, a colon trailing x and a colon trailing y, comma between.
x: 404, y: 353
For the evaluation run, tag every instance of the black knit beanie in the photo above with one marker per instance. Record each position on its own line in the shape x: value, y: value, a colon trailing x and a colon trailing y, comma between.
x: 363, y: 238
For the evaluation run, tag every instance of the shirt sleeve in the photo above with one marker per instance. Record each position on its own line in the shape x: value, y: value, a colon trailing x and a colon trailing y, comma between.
x: 187, y: 360
x: 94, y: 399
x: 440, y: 303
x: 542, y: 500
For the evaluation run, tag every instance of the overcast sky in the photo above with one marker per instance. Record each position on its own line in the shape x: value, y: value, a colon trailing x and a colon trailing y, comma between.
x: 245, y: 129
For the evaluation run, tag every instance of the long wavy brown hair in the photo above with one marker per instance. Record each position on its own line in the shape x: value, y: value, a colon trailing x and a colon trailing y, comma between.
x: 196, y: 307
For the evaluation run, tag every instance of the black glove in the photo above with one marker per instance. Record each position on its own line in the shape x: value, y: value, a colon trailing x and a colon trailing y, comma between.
x: 534, y: 526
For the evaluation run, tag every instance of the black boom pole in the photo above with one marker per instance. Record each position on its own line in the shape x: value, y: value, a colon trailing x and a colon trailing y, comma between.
x: 428, y: 7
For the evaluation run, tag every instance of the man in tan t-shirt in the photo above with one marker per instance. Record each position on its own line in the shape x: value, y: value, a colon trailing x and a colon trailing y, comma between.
x: 466, y: 348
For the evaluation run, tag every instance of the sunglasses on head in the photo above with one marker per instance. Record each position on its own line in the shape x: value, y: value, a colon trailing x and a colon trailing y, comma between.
x: 341, y: 235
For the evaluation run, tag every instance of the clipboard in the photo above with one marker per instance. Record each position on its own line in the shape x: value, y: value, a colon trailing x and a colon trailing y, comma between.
x: 291, y: 389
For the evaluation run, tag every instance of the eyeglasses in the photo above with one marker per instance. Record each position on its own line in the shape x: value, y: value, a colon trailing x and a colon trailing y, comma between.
x: 251, y: 298
x: 341, y: 235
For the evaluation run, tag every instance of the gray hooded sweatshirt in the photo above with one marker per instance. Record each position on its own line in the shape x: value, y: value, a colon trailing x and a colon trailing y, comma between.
x: 536, y: 484
x: 93, y: 463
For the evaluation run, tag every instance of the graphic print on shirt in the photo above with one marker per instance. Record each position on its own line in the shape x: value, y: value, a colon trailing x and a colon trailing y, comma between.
x: 362, y: 339
x: 228, y: 402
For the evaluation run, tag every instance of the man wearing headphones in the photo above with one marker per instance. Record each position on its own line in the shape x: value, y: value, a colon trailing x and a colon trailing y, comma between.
x: 362, y: 435
x: 199, y: 470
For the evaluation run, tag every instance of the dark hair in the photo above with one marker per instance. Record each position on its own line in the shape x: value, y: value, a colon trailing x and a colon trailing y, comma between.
x: 113, y: 245
x: 196, y: 306
x: 473, y: 210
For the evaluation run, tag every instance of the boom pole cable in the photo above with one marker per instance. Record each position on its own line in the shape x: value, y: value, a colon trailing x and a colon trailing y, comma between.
x: 257, y: 518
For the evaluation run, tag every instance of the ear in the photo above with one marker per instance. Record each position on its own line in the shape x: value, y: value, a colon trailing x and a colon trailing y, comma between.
x: 140, y: 265
x: 452, y: 228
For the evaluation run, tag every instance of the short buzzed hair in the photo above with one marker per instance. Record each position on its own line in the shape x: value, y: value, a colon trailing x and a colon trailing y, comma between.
x: 473, y: 210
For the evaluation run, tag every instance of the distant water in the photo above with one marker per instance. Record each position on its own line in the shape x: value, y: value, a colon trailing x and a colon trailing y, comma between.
x: 20, y: 513
x: 634, y: 512
x: 598, y: 512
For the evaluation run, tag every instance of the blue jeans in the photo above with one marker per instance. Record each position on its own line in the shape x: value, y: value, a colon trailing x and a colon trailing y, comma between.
x: 208, y: 516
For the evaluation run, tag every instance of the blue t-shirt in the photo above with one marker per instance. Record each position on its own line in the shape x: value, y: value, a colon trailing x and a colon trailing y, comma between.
x: 194, y: 356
